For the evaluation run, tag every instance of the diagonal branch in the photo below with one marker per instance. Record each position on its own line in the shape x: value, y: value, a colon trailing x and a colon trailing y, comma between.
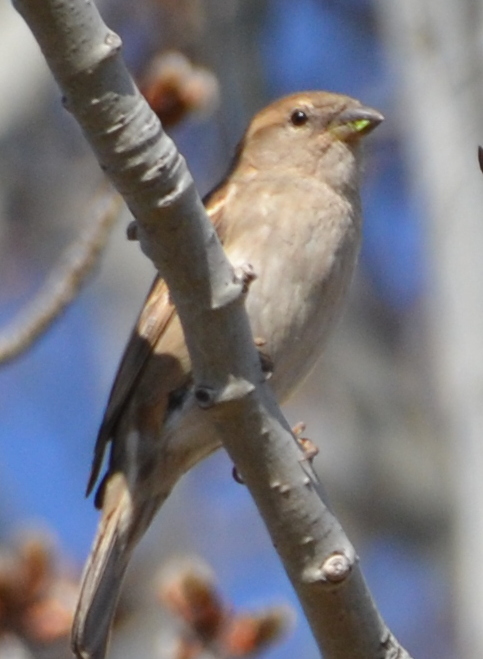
x: 62, y: 284
x: 176, y: 234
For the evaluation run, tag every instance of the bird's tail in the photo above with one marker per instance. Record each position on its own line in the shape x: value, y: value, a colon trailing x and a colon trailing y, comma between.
x: 120, y: 528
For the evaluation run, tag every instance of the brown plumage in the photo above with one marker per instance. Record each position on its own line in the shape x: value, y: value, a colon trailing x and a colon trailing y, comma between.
x: 290, y: 207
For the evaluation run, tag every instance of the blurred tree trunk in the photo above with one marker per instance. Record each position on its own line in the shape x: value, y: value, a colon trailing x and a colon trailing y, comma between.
x: 435, y: 45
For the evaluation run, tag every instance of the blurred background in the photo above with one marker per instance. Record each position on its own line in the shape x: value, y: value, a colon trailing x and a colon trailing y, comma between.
x: 395, y: 406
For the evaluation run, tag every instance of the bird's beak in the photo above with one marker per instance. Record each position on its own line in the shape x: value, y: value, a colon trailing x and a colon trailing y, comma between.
x: 353, y: 123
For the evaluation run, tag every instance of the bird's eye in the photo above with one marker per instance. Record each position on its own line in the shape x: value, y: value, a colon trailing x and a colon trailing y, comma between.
x: 298, y: 118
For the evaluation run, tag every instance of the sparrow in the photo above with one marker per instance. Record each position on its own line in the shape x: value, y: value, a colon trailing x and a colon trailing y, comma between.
x: 290, y: 207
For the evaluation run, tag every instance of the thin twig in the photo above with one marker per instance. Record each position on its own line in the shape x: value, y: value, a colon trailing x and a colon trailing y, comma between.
x: 63, y: 283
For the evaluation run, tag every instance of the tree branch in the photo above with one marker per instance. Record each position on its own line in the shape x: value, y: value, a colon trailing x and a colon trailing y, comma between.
x: 62, y: 284
x: 176, y: 234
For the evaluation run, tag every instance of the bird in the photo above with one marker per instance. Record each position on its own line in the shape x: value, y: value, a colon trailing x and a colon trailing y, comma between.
x: 290, y: 207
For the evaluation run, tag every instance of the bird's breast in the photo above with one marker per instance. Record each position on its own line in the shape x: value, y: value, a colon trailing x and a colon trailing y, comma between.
x: 303, y: 258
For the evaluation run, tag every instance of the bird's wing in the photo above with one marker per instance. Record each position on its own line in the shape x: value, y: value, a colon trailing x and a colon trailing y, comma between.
x: 154, y: 322
x: 156, y: 314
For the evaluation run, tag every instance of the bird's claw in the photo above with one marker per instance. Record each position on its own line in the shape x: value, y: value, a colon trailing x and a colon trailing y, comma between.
x: 309, y: 449
x: 245, y: 274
